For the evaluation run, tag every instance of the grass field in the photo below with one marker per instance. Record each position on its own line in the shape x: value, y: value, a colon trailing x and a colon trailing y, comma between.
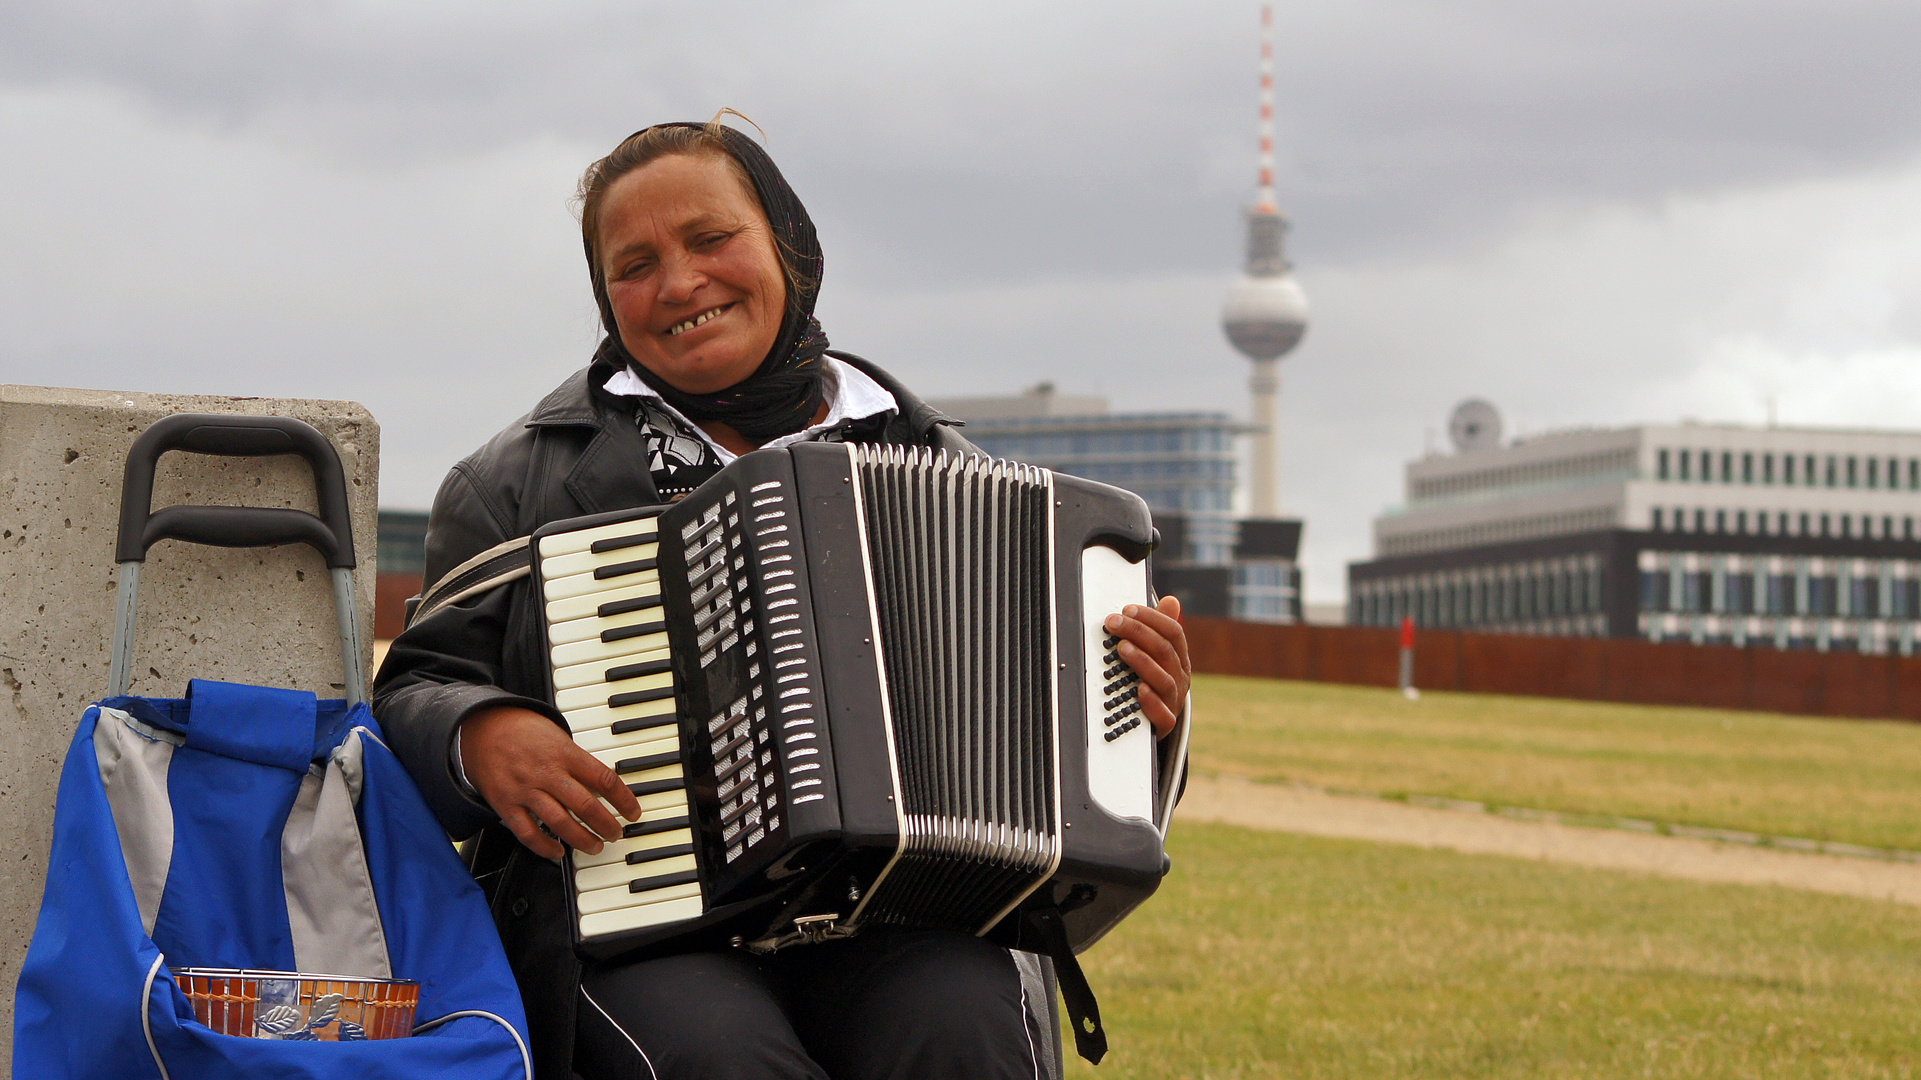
x: 1267, y: 955
x: 1853, y: 781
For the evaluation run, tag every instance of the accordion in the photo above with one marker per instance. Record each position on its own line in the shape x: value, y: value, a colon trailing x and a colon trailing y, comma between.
x: 860, y: 685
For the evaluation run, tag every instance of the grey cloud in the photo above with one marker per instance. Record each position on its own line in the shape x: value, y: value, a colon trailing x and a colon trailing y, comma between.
x: 970, y: 142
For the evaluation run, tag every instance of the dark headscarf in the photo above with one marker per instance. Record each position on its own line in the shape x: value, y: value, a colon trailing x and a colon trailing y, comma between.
x: 783, y: 394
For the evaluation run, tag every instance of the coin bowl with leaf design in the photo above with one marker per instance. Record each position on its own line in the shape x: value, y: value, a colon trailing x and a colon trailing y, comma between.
x: 298, y: 1006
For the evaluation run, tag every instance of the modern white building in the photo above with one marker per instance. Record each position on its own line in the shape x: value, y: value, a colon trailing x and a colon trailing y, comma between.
x: 1791, y: 537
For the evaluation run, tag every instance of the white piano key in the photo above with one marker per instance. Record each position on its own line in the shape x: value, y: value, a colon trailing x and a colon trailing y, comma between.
x: 560, y: 588
x: 594, y: 674
x: 587, y: 605
x: 590, y: 627
x: 659, y: 804
x: 608, y: 875
x: 618, y: 850
x: 659, y: 913
x: 584, y: 539
x: 583, y: 652
x: 586, y: 562
x: 639, y: 744
x: 599, y: 714
x: 589, y: 903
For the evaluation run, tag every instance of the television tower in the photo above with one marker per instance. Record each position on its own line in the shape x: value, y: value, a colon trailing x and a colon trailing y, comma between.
x: 1266, y: 311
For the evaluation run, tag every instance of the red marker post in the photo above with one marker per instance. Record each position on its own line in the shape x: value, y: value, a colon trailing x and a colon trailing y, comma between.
x: 1407, y: 659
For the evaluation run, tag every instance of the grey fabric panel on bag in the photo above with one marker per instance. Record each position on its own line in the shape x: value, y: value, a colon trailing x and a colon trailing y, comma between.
x: 331, y: 909
x: 134, y: 759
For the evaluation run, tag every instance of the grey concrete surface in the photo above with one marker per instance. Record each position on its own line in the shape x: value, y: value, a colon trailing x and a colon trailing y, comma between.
x: 258, y: 616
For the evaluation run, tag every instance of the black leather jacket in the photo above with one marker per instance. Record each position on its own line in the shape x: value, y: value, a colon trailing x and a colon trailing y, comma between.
x: 578, y: 452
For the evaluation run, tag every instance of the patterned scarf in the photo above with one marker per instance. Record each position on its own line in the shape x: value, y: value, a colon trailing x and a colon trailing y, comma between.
x: 783, y: 394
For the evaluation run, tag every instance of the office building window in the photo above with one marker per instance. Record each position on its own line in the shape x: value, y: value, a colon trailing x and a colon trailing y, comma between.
x: 1781, y: 523
x: 1660, y: 464
x: 1700, y: 520
x: 1887, y: 527
x: 1747, y: 468
x: 1847, y: 525
x: 1654, y: 590
x: 1822, y: 595
x: 1825, y: 522
x: 1656, y: 523
x: 1833, y: 472
x: 1682, y: 457
x: 1807, y: 470
x: 1780, y: 598
x: 1907, y: 528
x: 1741, y: 594
x: 1727, y: 467
x: 1741, y: 521
x: 1720, y: 521
x: 1851, y: 463
x: 1804, y: 525
x: 1914, y: 474
x: 1787, y: 468
x: 1874, y: 470
x: 1767, y: 468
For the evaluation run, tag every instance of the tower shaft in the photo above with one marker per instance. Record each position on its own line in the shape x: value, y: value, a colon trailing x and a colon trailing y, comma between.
x: 1265, y: 475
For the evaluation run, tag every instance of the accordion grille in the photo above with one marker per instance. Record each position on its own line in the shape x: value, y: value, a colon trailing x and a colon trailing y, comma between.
x: 959, y: 553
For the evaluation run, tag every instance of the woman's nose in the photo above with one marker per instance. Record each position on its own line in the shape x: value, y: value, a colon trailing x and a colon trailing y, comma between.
x: 679, y: 278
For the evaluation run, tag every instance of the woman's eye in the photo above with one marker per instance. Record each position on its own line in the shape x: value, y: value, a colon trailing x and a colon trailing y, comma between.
x: 711, y: 240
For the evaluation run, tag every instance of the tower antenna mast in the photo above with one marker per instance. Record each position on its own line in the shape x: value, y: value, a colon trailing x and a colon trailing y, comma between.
x: 1266, y: 312
x: 1265, y: 200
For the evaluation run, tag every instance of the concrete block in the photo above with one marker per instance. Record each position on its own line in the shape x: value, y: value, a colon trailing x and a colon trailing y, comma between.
x: 261, y: 616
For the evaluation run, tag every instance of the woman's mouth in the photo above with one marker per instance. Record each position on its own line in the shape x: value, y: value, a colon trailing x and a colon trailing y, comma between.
x: 682, y: 327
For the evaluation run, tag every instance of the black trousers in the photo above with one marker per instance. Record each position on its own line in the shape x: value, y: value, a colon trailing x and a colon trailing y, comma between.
x: 900, y: 1004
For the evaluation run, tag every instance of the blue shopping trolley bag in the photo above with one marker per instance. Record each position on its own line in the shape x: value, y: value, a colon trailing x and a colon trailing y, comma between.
x: 245, y: 827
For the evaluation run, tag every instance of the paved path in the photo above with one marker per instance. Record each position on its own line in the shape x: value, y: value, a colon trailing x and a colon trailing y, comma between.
x: 1265, y: 806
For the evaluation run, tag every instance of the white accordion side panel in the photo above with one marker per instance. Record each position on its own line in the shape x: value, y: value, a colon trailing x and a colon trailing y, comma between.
x: 1120, y: 756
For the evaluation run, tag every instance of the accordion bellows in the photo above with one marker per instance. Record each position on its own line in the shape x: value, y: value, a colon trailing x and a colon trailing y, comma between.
x: 859, y: 685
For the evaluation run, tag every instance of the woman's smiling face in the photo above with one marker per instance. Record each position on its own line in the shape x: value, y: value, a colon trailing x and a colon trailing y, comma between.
x: 696, y: 287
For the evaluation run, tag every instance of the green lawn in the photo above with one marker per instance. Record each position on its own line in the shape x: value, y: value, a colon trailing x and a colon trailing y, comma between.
x: 1267, y: 955
x: 1855, y: 781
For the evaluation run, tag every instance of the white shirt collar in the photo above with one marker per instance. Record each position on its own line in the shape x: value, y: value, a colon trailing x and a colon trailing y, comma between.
x: 851, y: 393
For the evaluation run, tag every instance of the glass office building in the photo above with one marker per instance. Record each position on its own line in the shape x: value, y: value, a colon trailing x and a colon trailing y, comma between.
x: 1184, y: 465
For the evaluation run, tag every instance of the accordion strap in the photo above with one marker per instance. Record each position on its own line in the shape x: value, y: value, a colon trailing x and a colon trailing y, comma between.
x: 490, y: 569
x: 1090, y: 1038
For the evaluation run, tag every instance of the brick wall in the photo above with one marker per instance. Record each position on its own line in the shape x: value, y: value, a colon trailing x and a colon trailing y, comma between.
x: 1597, y: 669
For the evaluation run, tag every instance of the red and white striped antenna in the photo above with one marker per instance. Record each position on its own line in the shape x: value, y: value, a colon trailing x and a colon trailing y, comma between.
x: 1265, y: 201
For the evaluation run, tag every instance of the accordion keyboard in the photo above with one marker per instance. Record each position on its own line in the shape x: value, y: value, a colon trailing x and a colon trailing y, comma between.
x: 613, y: 682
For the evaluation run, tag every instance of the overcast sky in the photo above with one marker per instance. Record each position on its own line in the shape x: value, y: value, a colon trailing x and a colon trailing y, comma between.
x: 1589, y: 213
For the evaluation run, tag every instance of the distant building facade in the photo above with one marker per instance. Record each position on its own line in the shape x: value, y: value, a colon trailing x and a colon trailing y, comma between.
x: 1782, y: 537
x: 1183, y: 465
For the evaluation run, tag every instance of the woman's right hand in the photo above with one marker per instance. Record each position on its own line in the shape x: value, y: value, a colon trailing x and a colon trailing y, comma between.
x: 531, y: 772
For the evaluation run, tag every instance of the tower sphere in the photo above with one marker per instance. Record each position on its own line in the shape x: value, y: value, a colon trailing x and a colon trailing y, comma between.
x: 1265, y: 316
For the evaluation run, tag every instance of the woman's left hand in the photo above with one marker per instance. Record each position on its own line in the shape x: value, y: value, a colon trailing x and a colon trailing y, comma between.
x: 1153, y: 644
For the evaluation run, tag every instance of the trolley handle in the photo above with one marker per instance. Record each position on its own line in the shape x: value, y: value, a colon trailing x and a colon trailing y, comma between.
x: 331, y: 533
x: 141, y: 527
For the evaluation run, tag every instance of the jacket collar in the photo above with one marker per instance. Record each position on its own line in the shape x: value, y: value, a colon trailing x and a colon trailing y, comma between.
x: 576, y: 402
